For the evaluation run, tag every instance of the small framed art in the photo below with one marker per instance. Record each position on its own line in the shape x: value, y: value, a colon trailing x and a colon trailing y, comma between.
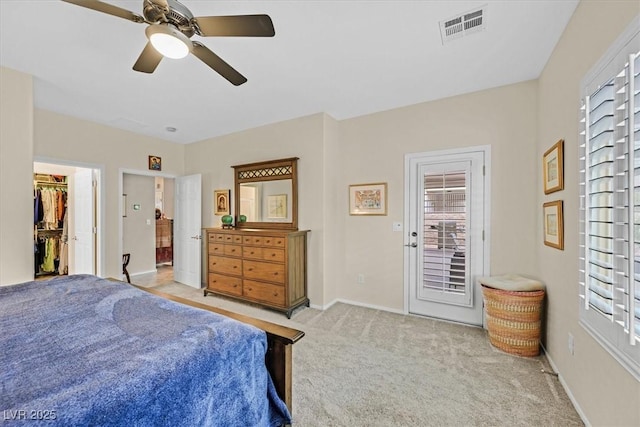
x: 553, y: 168
x: 277, y: 206
x: 553, y: 224
x: 368, y: 199
x: 155, y: 163
x: 221, y: 202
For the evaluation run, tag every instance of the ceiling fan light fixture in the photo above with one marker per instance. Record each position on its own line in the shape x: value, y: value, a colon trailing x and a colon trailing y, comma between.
x: 169, y: 41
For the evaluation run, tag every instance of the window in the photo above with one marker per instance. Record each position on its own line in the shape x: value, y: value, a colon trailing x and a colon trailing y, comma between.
x: 610, y: 201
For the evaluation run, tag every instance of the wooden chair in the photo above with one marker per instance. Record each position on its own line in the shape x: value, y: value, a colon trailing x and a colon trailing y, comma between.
x: 125, y: 263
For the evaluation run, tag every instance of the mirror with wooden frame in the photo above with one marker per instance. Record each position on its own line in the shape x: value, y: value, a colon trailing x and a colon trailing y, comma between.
x: 266, y: 194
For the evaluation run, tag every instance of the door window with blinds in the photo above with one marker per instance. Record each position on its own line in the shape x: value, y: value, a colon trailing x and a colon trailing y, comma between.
x: 445, y: 219
x: 610, y: 202
x: 445, y: 223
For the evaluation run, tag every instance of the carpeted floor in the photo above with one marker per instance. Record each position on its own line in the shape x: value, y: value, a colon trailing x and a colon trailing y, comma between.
x: 362, y: 367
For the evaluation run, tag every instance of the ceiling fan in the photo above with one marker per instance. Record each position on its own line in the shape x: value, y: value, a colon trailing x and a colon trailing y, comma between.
x: 171, y: 26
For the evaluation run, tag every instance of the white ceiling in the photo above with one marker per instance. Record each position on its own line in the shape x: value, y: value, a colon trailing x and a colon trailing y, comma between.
x: 345, y: 58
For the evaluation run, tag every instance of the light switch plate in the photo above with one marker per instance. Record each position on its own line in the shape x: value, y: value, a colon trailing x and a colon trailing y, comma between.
x: 397, y: 226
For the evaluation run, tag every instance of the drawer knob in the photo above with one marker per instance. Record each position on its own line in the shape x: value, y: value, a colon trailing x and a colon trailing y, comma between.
x: 235, y: 286
x: 273, y: 254
x: 275, y: 274
x: 235, y: 266
x: 275, y: 294
x: 251, y: 253
x: 250, y: 269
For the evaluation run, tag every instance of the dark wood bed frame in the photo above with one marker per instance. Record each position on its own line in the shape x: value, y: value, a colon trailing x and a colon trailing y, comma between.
x: 280, y: 340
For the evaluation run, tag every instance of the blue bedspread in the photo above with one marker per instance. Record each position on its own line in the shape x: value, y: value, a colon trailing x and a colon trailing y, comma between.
x: 84, y: 351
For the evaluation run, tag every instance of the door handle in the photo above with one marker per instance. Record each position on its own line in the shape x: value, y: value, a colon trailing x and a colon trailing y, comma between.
x: 412, y: 245
x: 196, y: 237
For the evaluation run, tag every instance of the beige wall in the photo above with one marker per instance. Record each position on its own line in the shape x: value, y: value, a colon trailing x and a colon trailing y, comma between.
x: 57, y: 136
x: 301, y: 138
x: 599, y: 384
x: 373, y: 149
x: 16, y: 177
x: 334, y: 199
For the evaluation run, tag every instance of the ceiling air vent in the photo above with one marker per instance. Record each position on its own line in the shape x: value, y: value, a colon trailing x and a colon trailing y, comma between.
x: 462, y: 25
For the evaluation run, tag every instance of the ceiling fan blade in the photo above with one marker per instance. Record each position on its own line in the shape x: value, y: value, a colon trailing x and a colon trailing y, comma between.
x: 218, y: 64
x: 148, y: 60
x: 107, y: 8
x: 239, y: 26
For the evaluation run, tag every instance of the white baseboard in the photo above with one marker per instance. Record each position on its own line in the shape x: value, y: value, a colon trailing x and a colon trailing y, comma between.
x: 143, y: 272
x: 356, y: 303
x: 567, y: 390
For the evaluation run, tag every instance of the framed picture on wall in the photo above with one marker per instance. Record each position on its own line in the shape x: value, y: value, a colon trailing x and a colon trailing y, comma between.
x: 155, y: 163
x: 368, y: 199
x: 221, y: 200
x: 553, y: 224
x: 553, y: 168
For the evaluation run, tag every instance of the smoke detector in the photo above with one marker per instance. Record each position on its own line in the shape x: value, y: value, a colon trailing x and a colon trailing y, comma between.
x: 464, y: 24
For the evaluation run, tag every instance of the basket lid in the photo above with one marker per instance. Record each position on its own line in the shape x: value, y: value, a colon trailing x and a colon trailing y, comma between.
x: 512, y: 282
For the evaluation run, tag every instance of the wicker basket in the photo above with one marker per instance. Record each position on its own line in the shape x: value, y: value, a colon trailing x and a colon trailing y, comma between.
x: 513, y: 320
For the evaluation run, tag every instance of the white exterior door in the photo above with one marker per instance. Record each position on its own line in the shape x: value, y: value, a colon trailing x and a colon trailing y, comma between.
x: 81, y: 222
x: 187, y: 230
x: 445, y: 249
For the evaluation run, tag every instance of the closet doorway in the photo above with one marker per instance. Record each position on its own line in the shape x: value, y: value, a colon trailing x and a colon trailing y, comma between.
x: 66, y: 232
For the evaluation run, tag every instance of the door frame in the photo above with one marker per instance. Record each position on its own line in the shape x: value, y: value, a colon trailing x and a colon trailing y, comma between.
x: 100, y: 205
x: 486, y: 149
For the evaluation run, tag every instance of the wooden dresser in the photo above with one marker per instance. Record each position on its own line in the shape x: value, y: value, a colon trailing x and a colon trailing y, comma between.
x: 266, y: 267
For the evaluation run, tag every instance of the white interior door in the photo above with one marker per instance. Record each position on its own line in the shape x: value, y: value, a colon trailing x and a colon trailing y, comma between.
x: 81, y: 222
x: 445, y: 245
x: 187, y: 230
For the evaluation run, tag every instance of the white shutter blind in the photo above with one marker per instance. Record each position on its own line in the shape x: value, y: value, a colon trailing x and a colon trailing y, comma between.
x: 610, y: 209
x: 445, y: 219
x: 598, y: 178
x: 633, y: 126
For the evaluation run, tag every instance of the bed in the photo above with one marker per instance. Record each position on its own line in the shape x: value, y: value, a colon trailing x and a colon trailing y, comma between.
x: 81, y: 350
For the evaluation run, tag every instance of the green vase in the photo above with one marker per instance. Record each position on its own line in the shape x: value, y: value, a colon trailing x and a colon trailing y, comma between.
x: 227, y: 219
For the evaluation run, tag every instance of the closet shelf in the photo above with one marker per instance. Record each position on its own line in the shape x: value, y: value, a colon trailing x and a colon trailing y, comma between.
x: 50, y: 184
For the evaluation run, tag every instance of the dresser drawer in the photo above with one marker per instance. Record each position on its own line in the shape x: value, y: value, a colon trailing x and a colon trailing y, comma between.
x: 253, y: 240
x: 216, y: 248
x: 272, y: 294
x: 225, y: 265
x: 252, y: 252
x: 231, y: 238
x: 226, y: 284
x: 263, y: 271
x: 263, y: 254
x: 273, y: 254
x: 272, y: 241
x: 233, y: 250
